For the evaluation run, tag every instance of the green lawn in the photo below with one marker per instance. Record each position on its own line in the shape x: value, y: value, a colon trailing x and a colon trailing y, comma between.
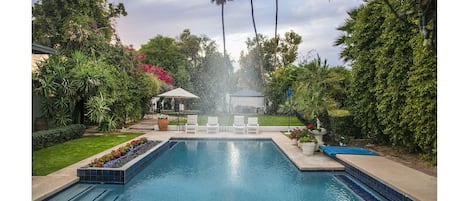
x: 56, y: 157
x: 264, y: 120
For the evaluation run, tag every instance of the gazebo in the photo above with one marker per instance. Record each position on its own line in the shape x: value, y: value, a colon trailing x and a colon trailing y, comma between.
x: 247, y: 101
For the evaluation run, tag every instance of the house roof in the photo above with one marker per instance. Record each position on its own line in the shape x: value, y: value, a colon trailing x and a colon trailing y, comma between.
x: 247, y: 93
x: 40, y: 49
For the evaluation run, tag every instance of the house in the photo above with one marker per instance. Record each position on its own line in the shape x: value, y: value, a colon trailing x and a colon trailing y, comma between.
x: 39, y: 53
x: 247, y: 102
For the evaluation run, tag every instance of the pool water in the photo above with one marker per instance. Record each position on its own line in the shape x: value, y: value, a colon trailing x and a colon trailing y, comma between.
x: 222, y: 170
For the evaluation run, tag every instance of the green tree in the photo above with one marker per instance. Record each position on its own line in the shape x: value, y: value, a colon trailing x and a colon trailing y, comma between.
x: 289, y: 47
x: 164, y: 52
x: 75, y: 25
x: 212, y: 83
x: 278, y: 83
x: 258, y: 62
x: 250, y: 73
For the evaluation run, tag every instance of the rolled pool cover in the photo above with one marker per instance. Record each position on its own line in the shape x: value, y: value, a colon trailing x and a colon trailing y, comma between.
x: 333, y: 150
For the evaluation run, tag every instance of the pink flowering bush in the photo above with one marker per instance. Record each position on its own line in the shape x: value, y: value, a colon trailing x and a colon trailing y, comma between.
x: 157, y: 72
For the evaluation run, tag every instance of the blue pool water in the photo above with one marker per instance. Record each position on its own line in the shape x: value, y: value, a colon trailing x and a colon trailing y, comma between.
x: 222, y: 170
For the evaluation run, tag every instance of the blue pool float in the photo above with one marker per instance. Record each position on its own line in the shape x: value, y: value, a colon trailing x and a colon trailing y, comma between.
x: 333, y: 150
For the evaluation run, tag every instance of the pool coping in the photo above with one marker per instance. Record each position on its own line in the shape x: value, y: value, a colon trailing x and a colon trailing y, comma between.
x: 410, y: 183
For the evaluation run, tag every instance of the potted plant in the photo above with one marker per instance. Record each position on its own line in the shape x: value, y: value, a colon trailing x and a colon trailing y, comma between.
x: 294, y: 135
x: 163, y: 121
x: 308, y: 142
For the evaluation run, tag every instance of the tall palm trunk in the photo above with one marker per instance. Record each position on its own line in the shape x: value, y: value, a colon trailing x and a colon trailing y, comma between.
x: 223, y: 27
x: 276, y: 39
x: 253, y: 20
x: 222, y: 3
x: 258, y: 45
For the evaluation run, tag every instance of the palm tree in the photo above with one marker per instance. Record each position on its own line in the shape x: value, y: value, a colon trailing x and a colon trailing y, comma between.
x: 222, y: 3
x: 253, y: 20
x: 311, y: 98
x: 258, y: 45
x: 276, y: 40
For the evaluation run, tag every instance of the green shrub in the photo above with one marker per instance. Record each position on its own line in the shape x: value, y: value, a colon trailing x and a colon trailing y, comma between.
x: 47, y: 138
x: 342, y: 124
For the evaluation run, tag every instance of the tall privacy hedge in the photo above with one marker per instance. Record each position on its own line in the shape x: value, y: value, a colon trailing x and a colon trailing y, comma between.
x: 342, y: 124
x: 47, y: 138
x: 392, y: 49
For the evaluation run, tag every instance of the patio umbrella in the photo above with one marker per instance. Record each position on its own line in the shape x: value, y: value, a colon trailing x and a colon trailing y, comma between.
x: 179, y: 93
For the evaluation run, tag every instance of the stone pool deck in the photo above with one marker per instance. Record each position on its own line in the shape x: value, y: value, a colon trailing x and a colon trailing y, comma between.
x: 416, y: 185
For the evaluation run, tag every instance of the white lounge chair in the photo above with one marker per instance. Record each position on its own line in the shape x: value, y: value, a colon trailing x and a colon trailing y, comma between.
x: 252, y: 125
x: 191, y: 125
x: 212, y: 125
x: 238, y: 124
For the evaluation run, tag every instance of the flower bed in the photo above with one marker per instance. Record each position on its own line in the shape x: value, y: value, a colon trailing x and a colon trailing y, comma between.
x: 127, y: 161
x: 122, y: 155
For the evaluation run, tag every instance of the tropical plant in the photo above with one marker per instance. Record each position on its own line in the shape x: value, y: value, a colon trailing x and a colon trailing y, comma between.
x: 307, y: 136
x: 310, y: 96
x: 98, y: 108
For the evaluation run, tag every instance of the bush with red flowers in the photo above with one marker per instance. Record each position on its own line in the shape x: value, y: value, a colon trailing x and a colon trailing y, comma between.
x: 118, y: 153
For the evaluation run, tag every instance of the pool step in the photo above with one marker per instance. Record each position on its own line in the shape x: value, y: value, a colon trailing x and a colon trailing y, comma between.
x: 80, y: 192
x: 95, y: 195
x: 73, y: 192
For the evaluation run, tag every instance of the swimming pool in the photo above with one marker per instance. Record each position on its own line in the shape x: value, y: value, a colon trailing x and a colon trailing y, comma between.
x: 224, y: 170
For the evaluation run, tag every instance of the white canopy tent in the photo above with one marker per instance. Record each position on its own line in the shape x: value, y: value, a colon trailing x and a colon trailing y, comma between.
x: 178, y: 93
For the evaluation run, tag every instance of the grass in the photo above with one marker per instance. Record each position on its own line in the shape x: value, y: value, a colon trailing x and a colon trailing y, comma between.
x: 51, y: 159
x: 264, y: 120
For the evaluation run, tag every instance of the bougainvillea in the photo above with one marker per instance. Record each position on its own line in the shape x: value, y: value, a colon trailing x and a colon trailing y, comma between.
x: 157, y: 72
x: 154, y: 70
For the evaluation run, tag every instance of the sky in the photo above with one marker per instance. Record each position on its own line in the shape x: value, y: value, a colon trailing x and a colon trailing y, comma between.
x: 316, y: 21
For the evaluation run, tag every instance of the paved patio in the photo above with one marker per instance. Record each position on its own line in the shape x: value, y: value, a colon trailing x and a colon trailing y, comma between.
x: 404, y: 179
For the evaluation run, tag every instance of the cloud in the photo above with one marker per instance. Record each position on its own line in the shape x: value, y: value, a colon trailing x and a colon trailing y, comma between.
x: 316, y: 21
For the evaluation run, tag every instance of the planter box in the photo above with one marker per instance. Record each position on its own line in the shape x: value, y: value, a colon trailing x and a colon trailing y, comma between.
x: 125, y: 173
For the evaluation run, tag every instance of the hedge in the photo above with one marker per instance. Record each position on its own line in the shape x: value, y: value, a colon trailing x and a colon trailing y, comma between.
x: 342, y: 124
x: 47, y: 138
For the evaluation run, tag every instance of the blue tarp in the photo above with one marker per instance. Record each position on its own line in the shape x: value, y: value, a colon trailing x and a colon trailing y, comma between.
x: 333, y: 150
